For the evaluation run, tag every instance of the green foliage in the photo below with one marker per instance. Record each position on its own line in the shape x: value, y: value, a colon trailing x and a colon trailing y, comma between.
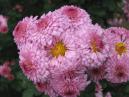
x: 100, y: 11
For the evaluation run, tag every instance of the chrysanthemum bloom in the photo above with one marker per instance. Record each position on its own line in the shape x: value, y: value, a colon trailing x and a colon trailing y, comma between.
x: 117, y: 40
x: 5, y: 71
x: 32, y: 64
x: 71, y: 78
x: 23, y: 30
x: 118, y: 69
x: 3, y: 24
x: 75, y: 15
x: 52, y: 23
x: 92, y: 48
x: 97, y: 73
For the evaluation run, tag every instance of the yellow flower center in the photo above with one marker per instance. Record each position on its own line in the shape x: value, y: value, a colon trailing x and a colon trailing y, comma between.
x: 120, y: 48
x: 94, y: 47
x: 58, y: 49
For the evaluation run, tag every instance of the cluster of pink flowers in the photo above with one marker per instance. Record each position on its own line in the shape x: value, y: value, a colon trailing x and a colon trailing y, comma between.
x: 3, y: 24
x: 62, y: 52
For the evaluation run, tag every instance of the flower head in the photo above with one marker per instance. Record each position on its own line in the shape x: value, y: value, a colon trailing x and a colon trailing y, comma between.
x: 94, y: 50
x: 75, y: 15
x: 31, y: 64
x: 117, y: 69
x: 24, y: 29
x: 117, y: 40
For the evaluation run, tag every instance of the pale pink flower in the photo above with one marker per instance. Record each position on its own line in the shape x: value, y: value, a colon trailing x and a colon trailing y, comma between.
x: 92, y: 47
x: 32, y: 65
x: 75, y: 15
x: 117, y: 40
x: 5, y: 71
x: 24, y: 29
x: 52, y: 23
x: 71, y: 79
x: 70, y: 87
x: 118, y: 69
x: 3, y: 24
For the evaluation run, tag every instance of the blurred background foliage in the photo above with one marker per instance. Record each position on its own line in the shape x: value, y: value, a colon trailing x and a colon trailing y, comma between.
x: 102, y: 12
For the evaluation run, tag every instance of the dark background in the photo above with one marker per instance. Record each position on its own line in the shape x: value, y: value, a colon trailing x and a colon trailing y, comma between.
x: 102, y: 12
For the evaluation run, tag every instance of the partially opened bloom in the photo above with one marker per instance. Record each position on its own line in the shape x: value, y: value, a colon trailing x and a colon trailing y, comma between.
x: 117, y: 69
x: 75, y: 15
x: 3, y: 24
x: 5, y: 71
x: 117, y: 40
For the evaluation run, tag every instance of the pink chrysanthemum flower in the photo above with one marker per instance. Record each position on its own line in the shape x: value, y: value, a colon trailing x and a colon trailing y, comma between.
x: 93, y: 49
x: 24, y: 29
x: 5, y: 71
x: 117, y: 40
x: 3, y: 24
x: 31, y: 63
x: 70, y: 87
x: 71, y: 79
x: 52, y: 23
x: 97, y: 73
x: 75, y: 15
x: 117, y: 69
